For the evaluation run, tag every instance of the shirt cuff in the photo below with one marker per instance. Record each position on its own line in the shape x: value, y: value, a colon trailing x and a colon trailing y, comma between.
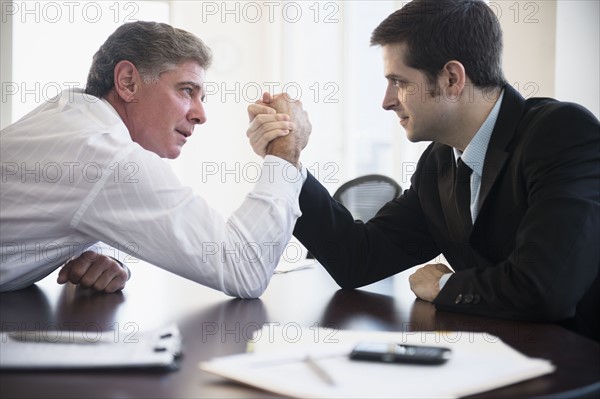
x: 281, y: 178
x: 444, y: 280
x: 291, y: 172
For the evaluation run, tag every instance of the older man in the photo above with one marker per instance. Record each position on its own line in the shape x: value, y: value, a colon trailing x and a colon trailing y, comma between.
x: 85, y: 167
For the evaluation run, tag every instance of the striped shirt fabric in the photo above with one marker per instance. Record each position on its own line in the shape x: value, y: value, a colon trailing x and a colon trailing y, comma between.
x: 73, y: 177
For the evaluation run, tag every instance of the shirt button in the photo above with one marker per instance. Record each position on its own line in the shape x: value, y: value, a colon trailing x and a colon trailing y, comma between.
x: 458, y: 299
x: 468, y: 298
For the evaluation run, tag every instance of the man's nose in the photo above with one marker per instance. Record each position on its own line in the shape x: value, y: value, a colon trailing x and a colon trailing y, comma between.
x: 390, y: 99
x: 197, y: 113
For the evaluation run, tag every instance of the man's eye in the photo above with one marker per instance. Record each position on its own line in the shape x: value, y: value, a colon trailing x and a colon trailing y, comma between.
x: 188, y: 90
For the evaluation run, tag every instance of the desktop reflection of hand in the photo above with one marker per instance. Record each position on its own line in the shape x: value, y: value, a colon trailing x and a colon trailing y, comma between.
x: 77, y: 309
x: 360, y: 310
x: 87, y: 309
x: 423, y: 316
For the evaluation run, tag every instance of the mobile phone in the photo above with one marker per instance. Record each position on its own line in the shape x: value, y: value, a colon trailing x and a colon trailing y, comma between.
x: 399, y: 353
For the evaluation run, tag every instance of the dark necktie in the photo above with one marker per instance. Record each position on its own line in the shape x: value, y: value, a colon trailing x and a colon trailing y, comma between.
x: 462, y: 190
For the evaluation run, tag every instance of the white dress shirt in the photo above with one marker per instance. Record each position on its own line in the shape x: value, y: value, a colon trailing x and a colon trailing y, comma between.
x: 474, y: 157
x: 72, y: 176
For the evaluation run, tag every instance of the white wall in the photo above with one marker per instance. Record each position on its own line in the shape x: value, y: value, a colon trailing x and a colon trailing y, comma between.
x: 577, y: 77
x: 53, y: 44
x: 529, y: 45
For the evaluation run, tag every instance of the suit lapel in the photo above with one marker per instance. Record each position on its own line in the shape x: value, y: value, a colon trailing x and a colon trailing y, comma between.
x: 513, y: 105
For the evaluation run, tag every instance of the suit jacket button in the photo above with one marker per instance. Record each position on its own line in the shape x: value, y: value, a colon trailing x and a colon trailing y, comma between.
x: 476, y: 299
x: 458, y: 299
x: 468, y: 298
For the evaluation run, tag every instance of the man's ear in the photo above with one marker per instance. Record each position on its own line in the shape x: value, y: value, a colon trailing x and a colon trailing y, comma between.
x: 454, y: 78
x: 127, y: 80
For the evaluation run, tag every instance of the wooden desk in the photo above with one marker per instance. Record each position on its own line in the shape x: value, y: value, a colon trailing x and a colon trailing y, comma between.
x: 215, y: 325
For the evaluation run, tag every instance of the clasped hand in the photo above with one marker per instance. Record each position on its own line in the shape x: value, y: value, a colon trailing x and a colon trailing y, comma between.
x: 96, y: 271
x: 425, y: 282
x: 278, y: 126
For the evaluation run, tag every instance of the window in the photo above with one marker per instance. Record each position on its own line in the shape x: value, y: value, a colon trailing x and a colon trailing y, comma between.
x: 53, y: 44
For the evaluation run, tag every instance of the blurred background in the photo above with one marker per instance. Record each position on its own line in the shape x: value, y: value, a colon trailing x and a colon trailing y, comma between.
x: 316, y: 51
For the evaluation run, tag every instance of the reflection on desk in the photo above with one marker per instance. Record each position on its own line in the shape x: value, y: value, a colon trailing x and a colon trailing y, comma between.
x: 214, y: 325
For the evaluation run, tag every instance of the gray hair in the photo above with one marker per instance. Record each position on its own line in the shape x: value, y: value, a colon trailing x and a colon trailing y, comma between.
x: 152, y: 47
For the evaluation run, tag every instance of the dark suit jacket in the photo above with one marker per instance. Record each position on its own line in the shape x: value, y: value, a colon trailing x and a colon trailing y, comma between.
x: 534, y: 250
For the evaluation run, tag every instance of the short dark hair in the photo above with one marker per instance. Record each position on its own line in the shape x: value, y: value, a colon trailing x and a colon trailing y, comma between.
x: 152, y: 47
x: 438, y: 31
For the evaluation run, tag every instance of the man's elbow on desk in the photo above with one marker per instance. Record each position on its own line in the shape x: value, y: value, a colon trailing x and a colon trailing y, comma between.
x: 247, y: 285
x: 348, y: 282
x: 246, y: 292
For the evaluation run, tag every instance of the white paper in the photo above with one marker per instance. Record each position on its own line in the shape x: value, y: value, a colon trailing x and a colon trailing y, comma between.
x: 480, y: 362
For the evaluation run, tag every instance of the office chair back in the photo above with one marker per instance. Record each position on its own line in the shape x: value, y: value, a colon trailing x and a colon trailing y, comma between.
x: 365, y: 195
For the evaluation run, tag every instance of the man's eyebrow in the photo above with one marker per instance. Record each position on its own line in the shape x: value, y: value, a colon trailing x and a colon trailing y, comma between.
x: 395, y: 77
x: 190, y: 83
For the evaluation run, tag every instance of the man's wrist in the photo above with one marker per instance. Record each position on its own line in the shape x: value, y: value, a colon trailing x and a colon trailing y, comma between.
x: 290, y: 155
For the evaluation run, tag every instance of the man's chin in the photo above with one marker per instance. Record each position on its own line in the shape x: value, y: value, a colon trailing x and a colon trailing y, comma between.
x: 416, y: 139
x: 410, y: 136
x: 172, y: 153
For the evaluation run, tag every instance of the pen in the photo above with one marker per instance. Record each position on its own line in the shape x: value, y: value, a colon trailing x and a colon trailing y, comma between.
x: 318, y: 370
